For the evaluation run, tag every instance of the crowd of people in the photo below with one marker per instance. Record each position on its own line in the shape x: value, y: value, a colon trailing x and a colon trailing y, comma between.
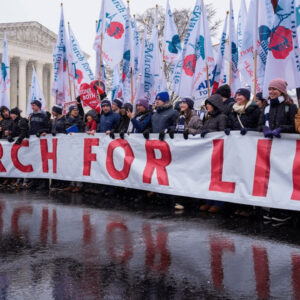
x: 220, y: 112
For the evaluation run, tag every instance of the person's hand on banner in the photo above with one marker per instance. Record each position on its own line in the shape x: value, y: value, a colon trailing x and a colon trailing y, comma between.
x: 267, y: 132
x: 146, y: 134
x: 244, y: 131
x: 204, y: 133
x: 227, y: 131
x: 171, y: 133
x: 162, y: 135
x: 277, y: 132
x: 186, y: 134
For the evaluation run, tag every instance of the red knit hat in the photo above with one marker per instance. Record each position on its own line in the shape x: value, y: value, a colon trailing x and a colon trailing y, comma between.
x: 279, y: 84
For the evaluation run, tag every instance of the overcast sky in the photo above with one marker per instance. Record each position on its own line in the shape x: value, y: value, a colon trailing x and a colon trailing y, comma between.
x: 82, y: 15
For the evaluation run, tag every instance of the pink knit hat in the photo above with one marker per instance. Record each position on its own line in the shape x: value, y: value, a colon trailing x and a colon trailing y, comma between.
x: 279, y: 85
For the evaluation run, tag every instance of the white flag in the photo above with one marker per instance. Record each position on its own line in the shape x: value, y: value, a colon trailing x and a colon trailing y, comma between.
x: 115, y: 15
x: 171, y: 42
x: 35, y: 93
x: 283, y: 59
x: 116, y: 85
x: 60, y: 86
x: 79, y: 67
x: 4, y: 76
x: 241, y: 24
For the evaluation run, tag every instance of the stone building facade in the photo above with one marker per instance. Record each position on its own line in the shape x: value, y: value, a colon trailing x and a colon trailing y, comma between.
x: 29, y: 43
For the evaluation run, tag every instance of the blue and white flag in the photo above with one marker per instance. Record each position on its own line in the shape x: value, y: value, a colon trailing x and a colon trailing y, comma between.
x: 283, y: 59
x: 79, y: 67
x: 4, y: 76
x: 219, y: 67
x: 241, y: 24
x: 35, y: 93
x: 60, y: 87
x: 116, y: 85
x: 171, y: 42
x: 136, y: 46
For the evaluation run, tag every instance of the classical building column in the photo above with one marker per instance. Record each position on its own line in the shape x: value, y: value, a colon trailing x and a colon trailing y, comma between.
x: 13, y: 83
x: 51, y: 78
x: 22, y: 86
x: 39, y: 73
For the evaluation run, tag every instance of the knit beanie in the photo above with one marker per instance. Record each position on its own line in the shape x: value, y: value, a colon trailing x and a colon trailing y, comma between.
x: 37, y: 103
x: 118, y: 102
x: 72, y: 107
x: 279, y: 84
x: 189, y: 102
x: 105, y: 102
x: 259, y: 96
x: 57, y: 108
x: 143, y: 102
x: 163, y: 96
x: 244, y: 92
x: 224, y: 91
x: 128, y: 106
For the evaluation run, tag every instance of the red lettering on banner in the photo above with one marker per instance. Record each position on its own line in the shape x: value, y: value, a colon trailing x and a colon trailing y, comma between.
x: 88, y: 156
x: 296, y: 173
x: 217, y: 247
x: 262, y: 168
x: 217, y: 160
x: 296, y: 275
x: 87, y: 229
x: 158, y: 164
x: 123, y: 239
x: 2, y: 168
x: 15, y: 159
x: 16, y: 216
x: 46, y: 155
x: 262, y: 273
x: 160, y: 249
x: 129, y: 158
x: 45, y: 226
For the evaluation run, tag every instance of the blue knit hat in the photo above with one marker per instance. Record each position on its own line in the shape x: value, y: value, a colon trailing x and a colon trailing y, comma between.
x: 105, y: 102
x: 118, y: 102
x: 163, y: 96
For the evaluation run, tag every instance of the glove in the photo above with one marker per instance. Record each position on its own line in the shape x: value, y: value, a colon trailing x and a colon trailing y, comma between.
x: 146, y: 134
x: 112, y: 134
x: 276, y: 132
x: 38, y: 134
x: 171, y: 133
x: 267, y: 132
x: 10, y: 139
x: 227, y: 131
x: 244, y: 131
x: 53, y: 133
x: 122, y: 135
x: 19, y: 141
x: 204, y: 133
x: 186, y: 134
x: 162, y: 135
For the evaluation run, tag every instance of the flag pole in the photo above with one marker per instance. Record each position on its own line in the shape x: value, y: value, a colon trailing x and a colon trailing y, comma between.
x: 230, y: 48
x: 205, y: 51
x: 131, y: 71
x: 100, y: 67
x: 68, y: 69
x: 255, y: 52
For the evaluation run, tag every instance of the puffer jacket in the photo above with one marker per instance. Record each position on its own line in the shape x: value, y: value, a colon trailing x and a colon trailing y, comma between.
x: 59, y: 125
x: 165, y: 117
x: 217, y: 120
x: 6, y: 124
x: 192, y: 123
x: 249, y: 117
x: 39, y: 123
x: 20, y: 128
x: 108, y: 122
x: 281, y: 115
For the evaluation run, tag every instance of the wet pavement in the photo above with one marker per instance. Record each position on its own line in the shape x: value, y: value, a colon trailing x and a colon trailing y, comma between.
x: 85, y: 247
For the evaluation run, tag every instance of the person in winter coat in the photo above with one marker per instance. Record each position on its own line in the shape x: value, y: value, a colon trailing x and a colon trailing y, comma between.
x: 6, y: 124
x: 245, y: 113
x: 215, y: 119
x: 165, y: 117
x: 279, y: 113
x: 141, y: 121
x: 74, y: 122
x: 20, y: 126
x: 124, y: 119
x: 91, y: 121
x: 39, y: 123
x: 188, y: 121
x: 59, y: 121
x: 260, y: 100
x: 225, y: 92
x: 109, y: 120
x: 116, y: 105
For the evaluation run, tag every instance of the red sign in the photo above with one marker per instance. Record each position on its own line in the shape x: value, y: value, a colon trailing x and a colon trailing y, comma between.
x: 88, y: 95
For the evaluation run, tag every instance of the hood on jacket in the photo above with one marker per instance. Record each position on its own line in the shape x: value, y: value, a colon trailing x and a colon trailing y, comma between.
x: 2, y: 109
x: 94, y: 114
x: 216, y: 101
x: 165, y: 106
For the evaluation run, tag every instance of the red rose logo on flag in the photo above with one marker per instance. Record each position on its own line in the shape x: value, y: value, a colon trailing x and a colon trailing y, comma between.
x: 79, y: 76
x: 189, y: 64
x: 115, y: 29
x: 281, y: 42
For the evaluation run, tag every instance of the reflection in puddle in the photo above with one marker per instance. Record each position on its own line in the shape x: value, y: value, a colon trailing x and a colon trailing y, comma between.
x: 55, y: 251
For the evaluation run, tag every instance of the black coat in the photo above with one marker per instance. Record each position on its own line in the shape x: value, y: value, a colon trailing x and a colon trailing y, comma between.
x: 6, y: 124
x: 20, y: 128
x: 124, y: 124
x: 39, y: 123
x: 59, y: 125
x: 281, y: 115
x: 70, y: 121
x: 227, y: 106
x: 249, y: 118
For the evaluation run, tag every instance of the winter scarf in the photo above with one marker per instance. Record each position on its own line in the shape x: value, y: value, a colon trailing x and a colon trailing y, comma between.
x: 240, y: 109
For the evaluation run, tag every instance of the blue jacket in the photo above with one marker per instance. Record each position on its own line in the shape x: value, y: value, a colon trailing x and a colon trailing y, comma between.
x: 141, y: 122
x: 165, y: 117
x: 108, y: 122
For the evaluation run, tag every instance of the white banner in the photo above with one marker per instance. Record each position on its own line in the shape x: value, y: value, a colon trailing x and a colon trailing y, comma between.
x: 240, y: 169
